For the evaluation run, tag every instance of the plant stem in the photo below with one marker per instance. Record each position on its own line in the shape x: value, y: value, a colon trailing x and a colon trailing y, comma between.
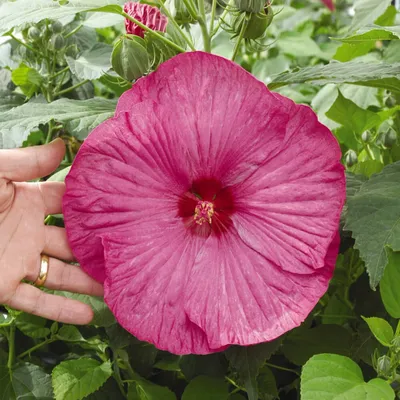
x: 62, y: 71
x: 282, y: 368
x: 221, y: 19
x: 36, y: 347
x: 203, y: 26
x: 191, y: 8
x: 233, y: 383
x: 369, y: 152
x: 50, y: 132
x: 240, y: 38
x: 213, y: 9
x: 172, y: 20
x: 154, y: 33
x: 69, y: 89
x: 117, y: 377
x: 73, y: 31
x: 24, y: 44
x: 11, y: 348
x: 206, y: 36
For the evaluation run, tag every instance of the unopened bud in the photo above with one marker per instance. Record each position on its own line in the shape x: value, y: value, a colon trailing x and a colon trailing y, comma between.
x: 389, y: 138
x: 350, y: 158
x: 383, y: 366
x: 129, y: 58
x: 366, y: 137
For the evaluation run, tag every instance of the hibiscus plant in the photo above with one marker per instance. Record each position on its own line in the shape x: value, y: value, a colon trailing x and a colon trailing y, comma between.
x: 232, y: 179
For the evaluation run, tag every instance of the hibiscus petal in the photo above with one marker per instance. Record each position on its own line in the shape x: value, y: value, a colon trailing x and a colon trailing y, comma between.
x: 232, y: 127
x: 132, y: 174
x: 289, y: 208
x: 146, y: 276
x: 237, y: 296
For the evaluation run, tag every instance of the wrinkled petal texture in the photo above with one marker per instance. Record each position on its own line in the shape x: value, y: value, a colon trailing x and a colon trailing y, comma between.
x: 330, y: 4
x: 147, y: 15
x: 201, y: 116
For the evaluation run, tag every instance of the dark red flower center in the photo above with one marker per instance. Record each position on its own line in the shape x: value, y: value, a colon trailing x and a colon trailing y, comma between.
x: 207, y: 206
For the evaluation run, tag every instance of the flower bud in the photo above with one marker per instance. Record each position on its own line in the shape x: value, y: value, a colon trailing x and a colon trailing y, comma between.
x: 383, y: 366
x: 350, y: 158
x: 366, y: 137
x: 147, y: 15
x: 57, y: 42
x: 56, y: 27
x: 129, y: 58
x: 33, y: 33
x: 179, y: 11
x: 253, y: 6
x: 389, y: 138
x: 396, y: 343
x: 390, y: 101
x: 259, y: 23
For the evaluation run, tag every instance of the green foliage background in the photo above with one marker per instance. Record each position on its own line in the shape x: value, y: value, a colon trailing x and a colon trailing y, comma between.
x: 63, y: 65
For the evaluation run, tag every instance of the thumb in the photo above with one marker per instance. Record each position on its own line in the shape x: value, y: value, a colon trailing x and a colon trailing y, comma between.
x: 31, y: 162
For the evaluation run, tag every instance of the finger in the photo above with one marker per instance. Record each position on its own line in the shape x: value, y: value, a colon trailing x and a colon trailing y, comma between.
x: 31, y: 162
x: 34, y: 301
x: 52, y: 193
x: 71, y: 278
x: 56, y: 243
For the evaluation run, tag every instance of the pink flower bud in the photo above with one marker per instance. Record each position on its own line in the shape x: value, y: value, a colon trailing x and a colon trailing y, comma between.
x: 147, y: 15
x: 329, y: 4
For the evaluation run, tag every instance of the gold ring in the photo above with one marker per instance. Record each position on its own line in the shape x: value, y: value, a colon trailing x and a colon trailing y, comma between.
x: 44, y: 269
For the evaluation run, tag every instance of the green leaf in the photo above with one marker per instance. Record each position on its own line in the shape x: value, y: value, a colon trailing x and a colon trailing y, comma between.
x: 348, y: 51
x: 81, y: 116
x: 27, y: 78
x: 69, y: 333
x: 248, y: 360
x: 389, y: 286
x: 374, y: 219
x: 388, y: 18
x: 60, y: 175
x: 145, y: 390
x: 267, y: 384
x: 367, y: 11
x: 206, y: 387
x: 350, y: 115
x: 102, y: 314
x: 169, y: 362
x: 32, y: 326
x: 381, y: 330
x: 31, y: 382
x: 301, y: 344
x: 391, y: 53
x: 299, y: 46
x: 76, y: 379
x: 364, y: 41
x: 367, y: 168
x: 334, y: 377
x: 379, y: 75
x: 35, y: 11
x: 93, y: 63
x: 26, y: 381
x: 195, y: 365
x: 336, y: 311
x: 353, y: 183
x: 372, y: 34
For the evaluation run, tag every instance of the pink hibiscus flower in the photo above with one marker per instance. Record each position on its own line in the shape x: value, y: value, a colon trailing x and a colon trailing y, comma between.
x: 329, y: 3
x: 147, y: 15
x: 208, y: 206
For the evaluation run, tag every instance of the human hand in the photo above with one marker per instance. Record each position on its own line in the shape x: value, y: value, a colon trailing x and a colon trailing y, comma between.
x: 24, y: 237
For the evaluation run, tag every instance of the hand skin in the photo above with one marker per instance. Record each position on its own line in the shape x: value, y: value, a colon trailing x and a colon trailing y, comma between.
x: 24, y: 237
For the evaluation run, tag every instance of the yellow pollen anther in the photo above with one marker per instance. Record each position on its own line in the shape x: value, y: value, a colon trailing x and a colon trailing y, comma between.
x: 203, y: 212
